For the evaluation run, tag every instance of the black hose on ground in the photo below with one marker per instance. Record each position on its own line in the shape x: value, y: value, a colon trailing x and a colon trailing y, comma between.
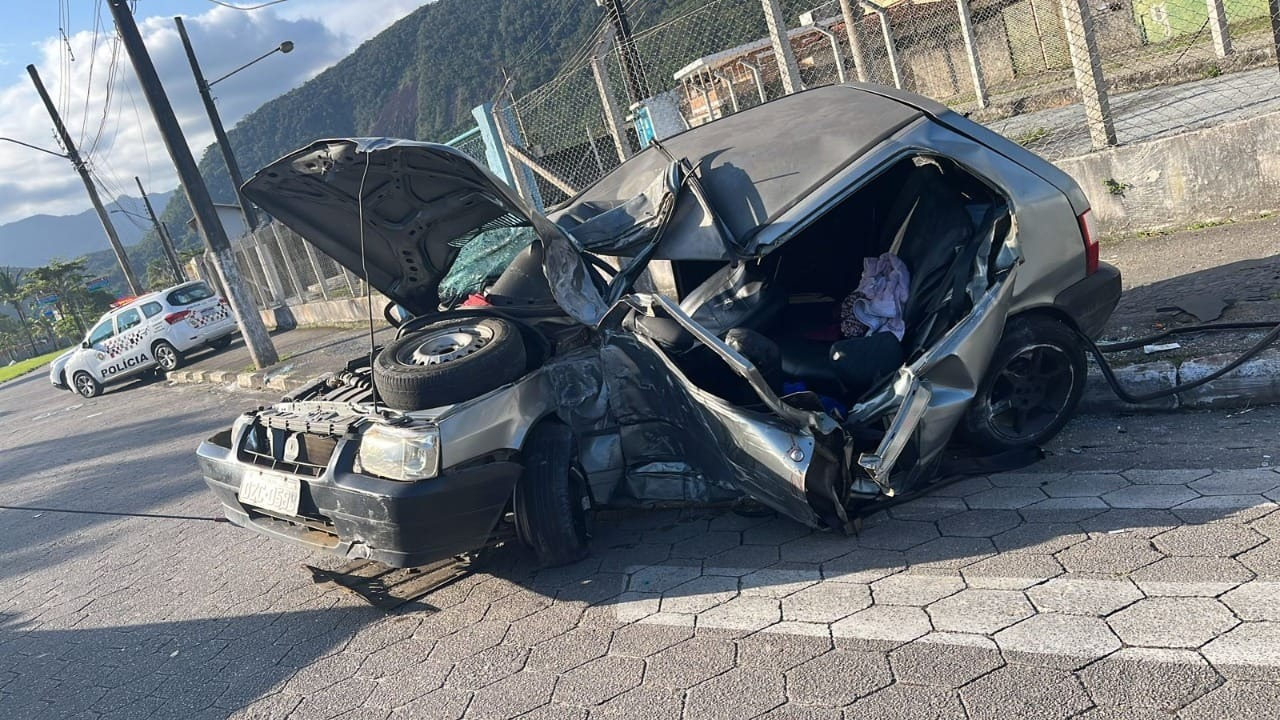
x: 1099, y: 350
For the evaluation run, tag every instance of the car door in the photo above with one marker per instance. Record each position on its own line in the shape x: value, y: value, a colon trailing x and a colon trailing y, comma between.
x: 785, y: 455
x: 94, y: 357
x: 127, y: 350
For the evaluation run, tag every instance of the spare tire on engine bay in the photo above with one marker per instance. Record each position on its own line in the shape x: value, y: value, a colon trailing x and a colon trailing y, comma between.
x: 448, y: 362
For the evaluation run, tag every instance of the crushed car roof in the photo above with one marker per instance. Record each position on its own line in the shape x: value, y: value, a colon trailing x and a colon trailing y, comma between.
x: 755, y: 165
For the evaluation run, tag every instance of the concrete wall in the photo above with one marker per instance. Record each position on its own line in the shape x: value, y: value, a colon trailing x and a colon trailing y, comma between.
x: 327, y: 313
x: 1223, y: 172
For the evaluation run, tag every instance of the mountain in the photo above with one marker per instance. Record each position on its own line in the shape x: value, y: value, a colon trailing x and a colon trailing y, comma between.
x: 38, y: 239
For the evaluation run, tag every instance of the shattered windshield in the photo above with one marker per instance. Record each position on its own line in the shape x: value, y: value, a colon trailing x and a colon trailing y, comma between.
x: 481, y: 260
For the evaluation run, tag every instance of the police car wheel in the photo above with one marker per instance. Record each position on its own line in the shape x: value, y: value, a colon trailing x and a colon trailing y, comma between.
x: 449, y: 361
x: 167, y: 356
x: 86, y: 385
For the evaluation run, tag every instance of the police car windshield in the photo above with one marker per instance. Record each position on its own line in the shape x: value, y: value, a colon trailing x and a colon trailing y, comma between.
x: 188, y: 294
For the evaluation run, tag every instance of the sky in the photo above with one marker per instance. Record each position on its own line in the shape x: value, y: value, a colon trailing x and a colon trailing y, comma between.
x: 106, y: 112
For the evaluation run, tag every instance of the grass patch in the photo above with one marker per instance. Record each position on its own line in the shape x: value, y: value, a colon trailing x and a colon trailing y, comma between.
x: 26, y: 366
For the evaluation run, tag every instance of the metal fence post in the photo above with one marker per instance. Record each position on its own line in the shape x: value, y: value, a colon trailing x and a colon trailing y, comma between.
x: 855, y: 39
x: 890, y: 48
x: 1078, y: 22
x: 312, y: 260
x: 728, y: 83
x: 835, y: 51
x: 971, y: 49
x: 1218, y: 28
x: 788, y: 68
x: 612, y: 116
x: 759, y: 78
x: 494, y: 154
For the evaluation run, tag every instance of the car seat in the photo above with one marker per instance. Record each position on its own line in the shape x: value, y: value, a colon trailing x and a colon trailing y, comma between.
x: 736, y: 296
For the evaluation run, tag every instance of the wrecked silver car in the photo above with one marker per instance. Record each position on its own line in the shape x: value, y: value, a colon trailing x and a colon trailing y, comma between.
x: 803, y: 303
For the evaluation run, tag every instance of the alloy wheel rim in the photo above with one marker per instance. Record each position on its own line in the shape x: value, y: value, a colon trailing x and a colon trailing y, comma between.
x: 1030, y: 392
x: 166, y: 358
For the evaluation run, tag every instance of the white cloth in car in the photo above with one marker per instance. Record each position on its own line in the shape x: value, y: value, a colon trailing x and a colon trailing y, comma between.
x: 878, y: 303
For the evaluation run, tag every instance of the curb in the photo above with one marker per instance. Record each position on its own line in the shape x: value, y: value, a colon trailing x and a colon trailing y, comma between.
x: 1256, y: 382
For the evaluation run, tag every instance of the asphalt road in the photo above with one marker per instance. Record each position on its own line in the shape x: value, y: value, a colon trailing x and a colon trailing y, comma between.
x: 1133, y: 573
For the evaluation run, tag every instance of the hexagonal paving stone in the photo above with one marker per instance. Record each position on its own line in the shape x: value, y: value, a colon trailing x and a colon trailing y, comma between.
x: 1179, y: 476
x: 1217, y: 540
x: 707, y: 544
x: 1258, y: 600
x: 1237, y: 482
x: 1149, y: 678
x: 1228, y: 699
x: 825, y: 602
x: 642, y: 701
x: 1250, y: 651
x: 598, y: 680
x: 1109, y: 555
x: 911, y: 589
x: 1224, y: 509
x: 780, y: 580
x: 512, y: 696
x: 1131, y: 522
x: 569, y: 650
x: 906, y: 702
x: 1053, y: 640
x: 864, y: 566
x: 700, y: 593
x: 968, y: 486
x: 1085, y: 485
x: 689, y: 663
x: 1149, y: 496
x: 1263, y: 560
x: 1004, y: 498
x: 816, y: 548
x: 1181, y: 622
x: 742, y: 614
x: 1011, y: 571
x: 896, y: 535
x: 951, y: 552
x: 1039, y: 538
x: 928, y: 508
x: 1024, y: 691
x: 838, y: 678
x: 644, y: 639
x: 979, y: 611
x: 944, y: 665
x: 979, y: 523
x: 659, y: 578
x: 739, y: 693
x: 887, y: 623
x: 778, y: 651
x: 1203, y: 576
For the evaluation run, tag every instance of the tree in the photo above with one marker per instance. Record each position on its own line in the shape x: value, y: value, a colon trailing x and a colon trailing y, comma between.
x: 10, y: 336
x: 13, y: 293
x: 65, y: 279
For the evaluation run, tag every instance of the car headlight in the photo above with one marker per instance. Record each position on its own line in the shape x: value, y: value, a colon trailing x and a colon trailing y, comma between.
x: 400, y: 453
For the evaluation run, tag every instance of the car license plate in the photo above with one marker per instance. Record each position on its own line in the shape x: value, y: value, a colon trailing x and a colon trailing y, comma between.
x: 276, y: 493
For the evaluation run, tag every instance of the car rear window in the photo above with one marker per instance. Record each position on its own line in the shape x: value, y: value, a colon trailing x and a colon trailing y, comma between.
x: 188, y: 294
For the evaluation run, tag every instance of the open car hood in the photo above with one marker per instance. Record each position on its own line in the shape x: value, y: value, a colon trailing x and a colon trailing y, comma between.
x: 417, y: 203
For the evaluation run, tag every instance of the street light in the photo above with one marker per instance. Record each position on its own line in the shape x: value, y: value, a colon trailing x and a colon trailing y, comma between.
x: 285, y: 48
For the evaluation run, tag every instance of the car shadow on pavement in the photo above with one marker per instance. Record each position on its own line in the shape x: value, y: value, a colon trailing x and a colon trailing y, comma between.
x: 189, y: 668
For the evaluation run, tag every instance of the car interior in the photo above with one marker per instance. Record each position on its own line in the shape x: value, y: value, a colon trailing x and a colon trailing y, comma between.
x: 783, y: 311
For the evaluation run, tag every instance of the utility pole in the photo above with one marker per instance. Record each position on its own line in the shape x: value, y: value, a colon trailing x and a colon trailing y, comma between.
x: 252, y: 328
x: 632, y: 72
x: 165, y: 241
x: 219, y: 134
x: 78, y: 164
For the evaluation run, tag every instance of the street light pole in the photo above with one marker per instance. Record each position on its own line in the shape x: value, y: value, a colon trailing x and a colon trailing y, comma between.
x: 252, y: 328
x: 74, y: 156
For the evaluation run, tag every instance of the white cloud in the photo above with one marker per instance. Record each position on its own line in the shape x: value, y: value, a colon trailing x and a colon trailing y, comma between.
x: 323, y: 31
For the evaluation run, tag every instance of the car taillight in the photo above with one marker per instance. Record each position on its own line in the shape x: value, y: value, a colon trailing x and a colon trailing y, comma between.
x: 175, y: 318
x: 1090, y: 242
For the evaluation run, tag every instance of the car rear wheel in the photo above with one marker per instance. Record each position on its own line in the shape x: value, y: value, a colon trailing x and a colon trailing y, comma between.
x: 552, y: 500
x: 448, y: 362
x: 86, y: 385
x: 1031, y: 389
x: 167, y: 356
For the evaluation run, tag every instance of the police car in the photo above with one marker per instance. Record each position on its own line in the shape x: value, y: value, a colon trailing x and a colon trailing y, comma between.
x: 151, y: 331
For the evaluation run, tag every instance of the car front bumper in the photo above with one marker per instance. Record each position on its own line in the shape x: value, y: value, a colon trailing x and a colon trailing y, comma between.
x: 400, y: 524
x: 1091, y: 301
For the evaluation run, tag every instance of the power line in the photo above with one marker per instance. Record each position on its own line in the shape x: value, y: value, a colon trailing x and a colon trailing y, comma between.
x: 246, y: 7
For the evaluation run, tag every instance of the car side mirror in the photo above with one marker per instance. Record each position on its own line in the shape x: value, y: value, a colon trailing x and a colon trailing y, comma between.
x: 85, y: 344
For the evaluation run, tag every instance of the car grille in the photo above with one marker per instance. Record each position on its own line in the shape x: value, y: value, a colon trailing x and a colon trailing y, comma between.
x: 297, y: 453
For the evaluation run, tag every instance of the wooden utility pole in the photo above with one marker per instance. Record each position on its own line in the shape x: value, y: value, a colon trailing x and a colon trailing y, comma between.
x: 252, y: 328
x: 166, y: 242
x: 74, y: 156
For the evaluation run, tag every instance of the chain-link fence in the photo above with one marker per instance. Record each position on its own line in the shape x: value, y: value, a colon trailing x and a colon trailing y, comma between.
x: 1062, y: 77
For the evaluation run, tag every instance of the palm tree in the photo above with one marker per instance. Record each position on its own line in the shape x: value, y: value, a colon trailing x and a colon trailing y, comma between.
x: 13, y: 293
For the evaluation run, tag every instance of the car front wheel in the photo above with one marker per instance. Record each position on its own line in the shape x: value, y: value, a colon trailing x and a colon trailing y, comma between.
x: 1031, y: 389
x: 552, y: 501
x: 167, y: 356
x: 86, y: 385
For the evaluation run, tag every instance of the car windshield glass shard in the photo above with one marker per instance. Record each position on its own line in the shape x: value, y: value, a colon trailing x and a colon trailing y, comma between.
x: 190, y: 294
x: 481, y: 260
